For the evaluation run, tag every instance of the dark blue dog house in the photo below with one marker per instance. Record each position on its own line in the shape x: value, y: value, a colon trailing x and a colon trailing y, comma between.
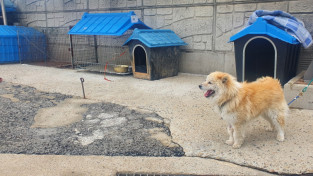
x: 154, y: 53
x: 262, y: 49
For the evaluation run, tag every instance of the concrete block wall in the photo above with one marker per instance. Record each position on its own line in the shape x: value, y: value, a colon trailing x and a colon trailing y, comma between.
x: 206, y: 25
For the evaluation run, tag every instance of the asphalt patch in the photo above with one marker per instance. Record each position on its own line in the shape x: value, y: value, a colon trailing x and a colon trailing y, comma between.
x: 106, y: 128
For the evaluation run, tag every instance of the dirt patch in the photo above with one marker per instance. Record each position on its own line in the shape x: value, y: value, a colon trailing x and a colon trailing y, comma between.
x: 35, y: 122
x: 10, y: 96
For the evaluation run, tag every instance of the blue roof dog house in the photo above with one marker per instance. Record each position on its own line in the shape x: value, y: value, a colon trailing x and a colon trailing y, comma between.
x: 21, y: 44
x: 154, y: 53
x: 262, y: 49
x: 97, y: 39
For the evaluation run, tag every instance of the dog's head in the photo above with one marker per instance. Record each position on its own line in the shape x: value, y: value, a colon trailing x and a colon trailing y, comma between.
x: 218, y: 84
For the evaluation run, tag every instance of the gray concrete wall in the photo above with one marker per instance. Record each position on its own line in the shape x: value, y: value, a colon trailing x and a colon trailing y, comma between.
x: 206, y: 25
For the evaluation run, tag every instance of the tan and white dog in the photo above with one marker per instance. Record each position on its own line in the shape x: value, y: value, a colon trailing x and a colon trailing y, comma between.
x: 238, y: 103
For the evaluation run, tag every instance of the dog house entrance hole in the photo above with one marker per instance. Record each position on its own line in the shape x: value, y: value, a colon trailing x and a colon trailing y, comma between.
x: 140, y: 59
x: 260, y: 58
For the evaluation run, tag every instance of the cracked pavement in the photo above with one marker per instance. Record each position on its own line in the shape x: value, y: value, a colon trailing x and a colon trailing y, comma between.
x: 192, y: 124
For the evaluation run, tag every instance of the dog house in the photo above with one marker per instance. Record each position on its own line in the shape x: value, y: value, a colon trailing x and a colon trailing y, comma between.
x: 154, y: 53
x: 262, y: 49
x: 21, y: 44
x: 97, y: 39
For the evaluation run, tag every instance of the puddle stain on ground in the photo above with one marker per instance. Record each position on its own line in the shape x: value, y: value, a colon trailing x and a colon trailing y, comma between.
x: 64, y: 113
x: 35, y: 122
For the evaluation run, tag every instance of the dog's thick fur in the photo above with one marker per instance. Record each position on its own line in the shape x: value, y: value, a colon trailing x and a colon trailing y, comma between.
x: 238, y: 103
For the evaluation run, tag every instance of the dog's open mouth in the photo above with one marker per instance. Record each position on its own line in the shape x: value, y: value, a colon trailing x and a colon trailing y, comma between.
x: 209, y: 93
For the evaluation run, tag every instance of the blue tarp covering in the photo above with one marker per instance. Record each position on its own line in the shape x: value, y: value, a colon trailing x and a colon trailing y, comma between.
x: 107, y: 24
x: 18, y: 44
x: 156, y: 37
x: 9, y: 6
x: 11, y: 31
x: 264, y: 28
x: 285, y: 21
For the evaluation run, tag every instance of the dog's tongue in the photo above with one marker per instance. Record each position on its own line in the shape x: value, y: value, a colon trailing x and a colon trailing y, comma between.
x: 208, y: 93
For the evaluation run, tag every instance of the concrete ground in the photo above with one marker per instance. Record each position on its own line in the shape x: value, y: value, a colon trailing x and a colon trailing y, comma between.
x: 193, y: 125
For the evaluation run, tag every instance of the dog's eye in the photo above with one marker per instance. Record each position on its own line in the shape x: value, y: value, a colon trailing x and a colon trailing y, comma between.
x: 209, y: 82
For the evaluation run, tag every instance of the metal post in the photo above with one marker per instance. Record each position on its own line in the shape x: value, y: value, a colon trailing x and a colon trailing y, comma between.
x: 19, y: 46
x: 71, y: 47
x: 4, y: 16
x: 96, y: 48
x: 82, y: 81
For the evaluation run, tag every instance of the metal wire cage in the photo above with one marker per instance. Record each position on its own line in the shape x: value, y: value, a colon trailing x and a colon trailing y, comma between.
x: 100, y: 53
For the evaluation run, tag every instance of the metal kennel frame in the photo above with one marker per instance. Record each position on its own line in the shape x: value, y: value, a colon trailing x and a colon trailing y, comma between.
x: 99, y: 53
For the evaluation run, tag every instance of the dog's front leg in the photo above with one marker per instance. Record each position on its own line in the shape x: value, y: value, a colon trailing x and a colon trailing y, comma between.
x: 230, y: 131
x: 238, y: 136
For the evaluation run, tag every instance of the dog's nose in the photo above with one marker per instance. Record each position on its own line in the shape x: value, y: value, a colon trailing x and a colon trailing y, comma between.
x: 200, y: 86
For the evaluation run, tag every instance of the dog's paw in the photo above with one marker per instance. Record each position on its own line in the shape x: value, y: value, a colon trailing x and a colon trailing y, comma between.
x: 236, y: 146
x: 229, y: 142
x: 280, y: 137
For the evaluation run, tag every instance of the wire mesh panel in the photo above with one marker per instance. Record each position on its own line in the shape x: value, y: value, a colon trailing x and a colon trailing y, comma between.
x: 58, y: 45
x: 32, y: 46
x: 100, y: 53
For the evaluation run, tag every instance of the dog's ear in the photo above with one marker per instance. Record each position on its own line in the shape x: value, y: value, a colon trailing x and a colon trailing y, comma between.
x: 224, y: 79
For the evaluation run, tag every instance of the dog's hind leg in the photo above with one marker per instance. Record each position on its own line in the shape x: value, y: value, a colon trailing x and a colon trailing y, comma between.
x: 279, y: 123
x: 230, y: 131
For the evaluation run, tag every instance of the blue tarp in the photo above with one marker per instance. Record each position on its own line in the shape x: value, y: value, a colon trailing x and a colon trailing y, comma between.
x: 18, y: 44
x: 285, y: 21
x: 156, y: 37
x: 9, y: 6
x: 107, y: 24
x: 12, y: 31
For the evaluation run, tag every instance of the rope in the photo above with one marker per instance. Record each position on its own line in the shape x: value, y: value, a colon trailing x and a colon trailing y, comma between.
x: 112, y: 59
x: 301, y: 93
x: 304, y: 89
